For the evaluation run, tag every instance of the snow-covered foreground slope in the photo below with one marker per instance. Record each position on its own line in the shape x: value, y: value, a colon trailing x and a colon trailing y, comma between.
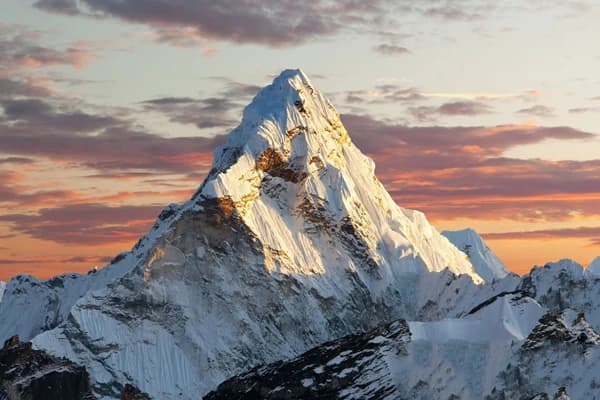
x: 508, y: 349
x: 291, y: 241
x: 486, y: 263
x: 448, y: 359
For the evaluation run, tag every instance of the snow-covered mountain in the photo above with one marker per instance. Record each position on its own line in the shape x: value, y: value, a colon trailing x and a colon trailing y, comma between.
x: 486, y: 263
x: 447, y: 359
x: 290, y: 241
x: 593, y: 268
x: 47, y: 303
x: 510, y: 348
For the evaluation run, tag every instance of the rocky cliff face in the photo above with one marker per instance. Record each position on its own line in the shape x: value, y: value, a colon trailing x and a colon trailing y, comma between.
x: 28, y: 374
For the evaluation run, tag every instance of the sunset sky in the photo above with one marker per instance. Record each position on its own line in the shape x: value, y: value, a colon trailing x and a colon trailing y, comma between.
x: 481, y: 113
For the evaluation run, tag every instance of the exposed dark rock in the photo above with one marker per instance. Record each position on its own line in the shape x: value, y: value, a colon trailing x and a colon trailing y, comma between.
x: 323, y: 372
x: 28, y: 374
x: 130, y: 392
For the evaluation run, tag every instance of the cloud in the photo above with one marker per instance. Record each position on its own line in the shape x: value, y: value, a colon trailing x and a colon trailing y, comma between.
x: 21, y: 87
x: 270, y: 22
x: 381, y: 94
x: 19, y: 49
x: 538, y: 110
x: 41, y: 128
x: 592, y: 233
x: 455, y: 108
x: 212, y: 112
x: 391, y: 50
x: 85, y: 224
x: 16, y: 160
x: 452, y: 172
x: 222, y: 110
x: 464, y: 108
x: 581, y: 110
x: 46, y: 260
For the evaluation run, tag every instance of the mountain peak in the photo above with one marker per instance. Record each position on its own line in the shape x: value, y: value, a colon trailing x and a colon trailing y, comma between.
x: 594, y: 267
x: 291, y: 173
x: 288, y: 130
x: 486, y: 263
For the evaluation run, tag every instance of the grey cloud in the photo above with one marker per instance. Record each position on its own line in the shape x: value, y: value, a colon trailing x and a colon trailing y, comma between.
x: 391, y: 50
x: 538, y: 110
x: 455, y: 108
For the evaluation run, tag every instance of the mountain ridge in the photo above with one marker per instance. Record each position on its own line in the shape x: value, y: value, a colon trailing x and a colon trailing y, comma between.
x: 290, y: 242
x: 292, y: 220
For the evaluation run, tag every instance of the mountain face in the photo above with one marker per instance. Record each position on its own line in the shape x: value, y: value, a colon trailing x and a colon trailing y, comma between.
x: 30, y: 374
x: 508, y: 349
x: 487, y: 265
x: 291, y: 241
x: 26, y: 373
x: 593, y: 268
x: 47, y: 303
x: 448, y: 359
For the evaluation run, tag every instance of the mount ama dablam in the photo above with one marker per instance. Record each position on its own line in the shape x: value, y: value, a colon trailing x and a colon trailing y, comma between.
x: 293, y: 250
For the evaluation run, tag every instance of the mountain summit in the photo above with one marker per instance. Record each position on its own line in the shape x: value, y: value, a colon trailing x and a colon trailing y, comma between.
x: 291, y: 173
x: 290, y: 241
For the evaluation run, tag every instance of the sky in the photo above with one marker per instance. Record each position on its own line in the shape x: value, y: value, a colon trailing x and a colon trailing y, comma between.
x: 480, y: 113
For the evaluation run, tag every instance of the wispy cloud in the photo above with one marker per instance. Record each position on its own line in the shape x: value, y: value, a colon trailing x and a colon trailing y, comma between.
x: 538, y: 110
x: 452, y: 172
x: 391, y: 49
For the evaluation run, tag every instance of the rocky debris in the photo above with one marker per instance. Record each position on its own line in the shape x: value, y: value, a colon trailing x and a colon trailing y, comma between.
x: 28, y: 374
x: 325, y: 372
x: 273, y: 163
x: 130, y: 392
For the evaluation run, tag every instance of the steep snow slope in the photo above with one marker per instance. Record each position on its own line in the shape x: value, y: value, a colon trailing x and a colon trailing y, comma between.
x: 486, y: 263
x: 290, y: 241
x: 47, y: 303
x: 2, y: 288
x: 594, y: 267
x: 294, y: 177
x: 449, y: 359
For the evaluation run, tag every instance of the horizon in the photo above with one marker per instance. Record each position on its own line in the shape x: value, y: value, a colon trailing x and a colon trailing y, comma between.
x: 108, y: 115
